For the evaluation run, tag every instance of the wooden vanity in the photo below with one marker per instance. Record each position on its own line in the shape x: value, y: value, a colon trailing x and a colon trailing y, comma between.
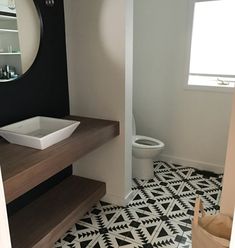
x: 43, y: 221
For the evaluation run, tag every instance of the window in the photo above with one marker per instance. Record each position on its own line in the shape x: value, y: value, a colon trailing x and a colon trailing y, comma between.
x: 212, y: 61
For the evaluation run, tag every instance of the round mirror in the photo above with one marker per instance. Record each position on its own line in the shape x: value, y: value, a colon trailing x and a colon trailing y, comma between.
x: 19, y: 37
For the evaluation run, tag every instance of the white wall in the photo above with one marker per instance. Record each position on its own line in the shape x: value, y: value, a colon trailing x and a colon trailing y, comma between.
x: 193, y: 124
x: 100, y: 87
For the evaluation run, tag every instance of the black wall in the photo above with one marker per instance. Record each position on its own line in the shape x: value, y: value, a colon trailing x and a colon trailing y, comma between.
x: 43, y: 90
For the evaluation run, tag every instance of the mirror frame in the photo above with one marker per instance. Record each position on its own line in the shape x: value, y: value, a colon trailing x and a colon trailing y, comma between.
x: 34, y: 62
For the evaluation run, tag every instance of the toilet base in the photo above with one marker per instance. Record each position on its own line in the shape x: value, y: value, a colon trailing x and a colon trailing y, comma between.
x: 142, y: 168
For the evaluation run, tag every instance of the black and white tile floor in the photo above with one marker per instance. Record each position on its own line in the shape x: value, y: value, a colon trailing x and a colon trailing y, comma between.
x: 159, y: 216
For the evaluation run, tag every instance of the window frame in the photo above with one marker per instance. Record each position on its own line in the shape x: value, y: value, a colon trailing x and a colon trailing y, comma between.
x: 187, y: 86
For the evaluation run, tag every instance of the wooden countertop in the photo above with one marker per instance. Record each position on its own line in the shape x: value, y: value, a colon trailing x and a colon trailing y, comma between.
x: 24, y: 168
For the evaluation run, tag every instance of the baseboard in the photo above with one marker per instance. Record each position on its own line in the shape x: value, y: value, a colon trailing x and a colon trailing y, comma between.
x: 117, y: 200
x: 192, y: 163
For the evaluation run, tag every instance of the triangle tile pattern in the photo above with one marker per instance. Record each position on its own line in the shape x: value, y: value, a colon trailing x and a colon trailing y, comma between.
x: 159, y: 215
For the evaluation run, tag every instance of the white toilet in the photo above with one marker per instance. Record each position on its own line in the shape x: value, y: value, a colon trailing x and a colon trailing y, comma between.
x: 144, y: 151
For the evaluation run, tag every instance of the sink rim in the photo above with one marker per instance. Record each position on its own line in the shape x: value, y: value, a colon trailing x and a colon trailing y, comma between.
x: 43, y: 142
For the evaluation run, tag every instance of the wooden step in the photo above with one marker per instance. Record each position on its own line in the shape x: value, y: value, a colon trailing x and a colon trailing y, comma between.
x: 23, y: 168
x: 45, y: 220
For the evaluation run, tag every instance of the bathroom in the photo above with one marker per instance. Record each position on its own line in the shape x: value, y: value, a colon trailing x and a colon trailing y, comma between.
x: 104, y: 90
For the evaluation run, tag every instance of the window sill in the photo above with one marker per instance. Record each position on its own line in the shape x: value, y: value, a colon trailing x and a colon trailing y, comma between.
x: 219, y: 89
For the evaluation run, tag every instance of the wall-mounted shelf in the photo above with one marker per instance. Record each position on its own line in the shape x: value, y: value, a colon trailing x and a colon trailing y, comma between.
x: 6, y: 54
x: 6, y: 80
x: 50, y: 215
x: 9, y: 40
x: 2, y: 30
x: 7, y: 18
x: 23, y: 168
x: 4, y: 10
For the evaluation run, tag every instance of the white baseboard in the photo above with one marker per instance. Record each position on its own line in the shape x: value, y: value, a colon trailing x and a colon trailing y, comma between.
x: 117, y: 200
x: 216, y: 168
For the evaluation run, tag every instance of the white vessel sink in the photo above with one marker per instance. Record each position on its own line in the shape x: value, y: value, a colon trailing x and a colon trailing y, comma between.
x: 38, y: 132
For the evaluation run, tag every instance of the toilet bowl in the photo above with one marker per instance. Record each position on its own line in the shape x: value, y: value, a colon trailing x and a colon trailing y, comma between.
x: 144, y: 150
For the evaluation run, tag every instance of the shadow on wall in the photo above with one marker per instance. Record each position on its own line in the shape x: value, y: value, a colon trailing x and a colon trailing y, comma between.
x: 110, y: 38
x: 96, y: 64
x: 98, y: 29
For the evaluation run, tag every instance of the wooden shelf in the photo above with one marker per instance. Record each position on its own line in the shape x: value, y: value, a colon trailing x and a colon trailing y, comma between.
x: 17, y: 53
x: 24, y: 168
x: 6, y: 80
x: 5, y: 11
x: 45, y: 220
x: 7, y: 18
x: 8, y: 30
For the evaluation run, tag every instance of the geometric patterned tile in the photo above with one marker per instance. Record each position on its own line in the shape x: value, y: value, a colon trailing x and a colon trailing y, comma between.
x: 174, y: 187
x: 137, y: 183
x: 86, y: 235
x: 108, y: 240
x: 180, y: 216
x: 82, y: 234
x: 149, y: 220
x: 157, y: 192
x: 169, y: 234
x: 167, y: 176
x: 217, y: 180
x: 213, y: 195
x: 97, y: 221
x: 171, y: 228
x: 187, y: 236
x: 160, y: 207
x: 203, y: 184
x: 151, y: 183
x: 163, y: 240
x: 159, y: 215
x: 101, y: 215
x: 128, y: 215
x: 59, y: 243
x: 186, y: 245
x: 166, y: 242
x: 185, y: 173
x: 160, y: 166
x: 187, y: 188
x: 121, y: 227
x: 142, y: 235
x: 139, y: 200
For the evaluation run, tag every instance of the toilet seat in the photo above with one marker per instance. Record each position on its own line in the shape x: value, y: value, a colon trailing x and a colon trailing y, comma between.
x: 144, y: 142
x: 144, y: 151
